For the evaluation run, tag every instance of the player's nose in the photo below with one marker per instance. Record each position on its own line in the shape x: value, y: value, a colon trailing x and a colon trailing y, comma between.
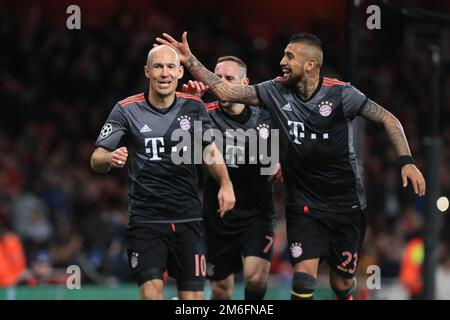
x: 165, y: 71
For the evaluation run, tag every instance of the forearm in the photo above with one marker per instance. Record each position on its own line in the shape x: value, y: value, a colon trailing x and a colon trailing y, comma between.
x: 217, y: 167
x: 219, y: 172
x: 200, y: 73
x: 222, y: 90
x: 374, y: 112
x: 101, y: 160
x: 396, y: 134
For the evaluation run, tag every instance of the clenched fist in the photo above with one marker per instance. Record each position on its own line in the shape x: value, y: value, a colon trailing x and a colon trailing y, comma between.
x: 119, y: 157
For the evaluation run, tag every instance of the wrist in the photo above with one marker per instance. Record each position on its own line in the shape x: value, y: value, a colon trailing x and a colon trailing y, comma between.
x: 404, y: 160
x: 100, y: 167
x: 108, y: 163
x: 189, y: 60
x: 108, y: 158
x: 226, y: 184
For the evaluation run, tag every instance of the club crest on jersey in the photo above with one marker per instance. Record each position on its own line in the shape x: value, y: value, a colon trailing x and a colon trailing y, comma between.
x: 263, y: 130
x: 134, y: 260
x: 106, y: 130
x: 296, y: 250
x: 185, y: 122
x: 325, y: 108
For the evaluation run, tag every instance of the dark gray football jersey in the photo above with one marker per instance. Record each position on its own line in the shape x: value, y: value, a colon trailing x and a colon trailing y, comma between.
x: 252, y: 190
x: 158, y: 189
x: 318, y: 159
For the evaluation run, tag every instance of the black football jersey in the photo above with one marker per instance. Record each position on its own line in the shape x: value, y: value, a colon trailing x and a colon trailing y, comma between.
x: 319, y: 163
x: 159, y: 189
x: 252, y: 190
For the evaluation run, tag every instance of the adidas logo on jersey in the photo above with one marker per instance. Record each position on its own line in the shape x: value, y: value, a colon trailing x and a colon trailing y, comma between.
x: 145, y: 128
x: 287, y: 107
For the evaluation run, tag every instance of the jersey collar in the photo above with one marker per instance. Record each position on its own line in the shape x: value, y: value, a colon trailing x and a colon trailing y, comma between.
x: 319, y: 86
x: 158, y: 110
x: 240, y: 118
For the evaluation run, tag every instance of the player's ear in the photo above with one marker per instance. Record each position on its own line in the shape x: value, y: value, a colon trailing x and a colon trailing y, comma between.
x: 246, y: 81
x: 146, y: 72
x: 180, y: 72
x: 310, y: 65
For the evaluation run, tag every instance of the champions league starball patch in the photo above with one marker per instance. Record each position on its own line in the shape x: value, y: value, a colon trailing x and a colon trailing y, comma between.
x: 325, y: 108
x: 185, y: 122
x: 106, y: 130
x: 263, y: 130
x: 296, y: 250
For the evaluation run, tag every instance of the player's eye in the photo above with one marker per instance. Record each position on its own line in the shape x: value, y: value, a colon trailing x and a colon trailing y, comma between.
x: 229, y: 78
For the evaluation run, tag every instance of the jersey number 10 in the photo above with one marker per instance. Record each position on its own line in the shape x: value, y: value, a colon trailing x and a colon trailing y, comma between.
x: 200, y: 265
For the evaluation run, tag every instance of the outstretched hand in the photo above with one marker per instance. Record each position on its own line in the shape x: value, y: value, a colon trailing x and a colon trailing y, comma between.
x: 182, y: 48
x: 410, y: 171
x: 196, y: 88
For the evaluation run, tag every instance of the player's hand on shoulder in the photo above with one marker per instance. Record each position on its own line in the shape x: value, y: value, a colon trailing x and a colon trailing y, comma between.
x: 119, y: 157
x: 196, y: 88
x: 226, y: 198
x: 412, y: 173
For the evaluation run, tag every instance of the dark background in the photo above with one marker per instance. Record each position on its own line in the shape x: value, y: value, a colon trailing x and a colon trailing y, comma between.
x: 59, y: 85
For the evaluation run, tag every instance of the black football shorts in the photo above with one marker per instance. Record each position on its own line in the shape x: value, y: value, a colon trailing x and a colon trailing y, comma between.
x: 336, y: 236
x: 178, y: 248
x: 228, y: 244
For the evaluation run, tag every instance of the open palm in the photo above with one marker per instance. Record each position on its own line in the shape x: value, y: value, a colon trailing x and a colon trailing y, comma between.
x: 182, y: 47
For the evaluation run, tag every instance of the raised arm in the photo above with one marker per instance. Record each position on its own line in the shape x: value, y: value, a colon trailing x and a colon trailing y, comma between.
x: 245, y: 94
x: 374, y: 112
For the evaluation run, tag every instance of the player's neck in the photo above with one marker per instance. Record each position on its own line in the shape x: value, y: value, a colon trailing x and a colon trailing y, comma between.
x: 234, y: 109
x: 308, y: 85
x: 160, y: 101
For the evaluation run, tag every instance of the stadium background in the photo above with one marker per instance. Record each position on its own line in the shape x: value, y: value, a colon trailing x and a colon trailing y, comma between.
x: 58, y: 86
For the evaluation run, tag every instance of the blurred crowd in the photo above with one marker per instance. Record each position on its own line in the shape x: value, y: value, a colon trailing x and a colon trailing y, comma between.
x: 58, y: 87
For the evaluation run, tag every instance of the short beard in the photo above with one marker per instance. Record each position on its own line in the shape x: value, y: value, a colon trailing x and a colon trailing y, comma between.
x: 293, y: 82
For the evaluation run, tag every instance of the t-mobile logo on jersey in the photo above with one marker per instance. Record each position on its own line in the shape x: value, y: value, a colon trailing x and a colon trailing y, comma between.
x: 297, y: 130
x: 234, y: 155
x: 191, y: 148
x: 153, y: 147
